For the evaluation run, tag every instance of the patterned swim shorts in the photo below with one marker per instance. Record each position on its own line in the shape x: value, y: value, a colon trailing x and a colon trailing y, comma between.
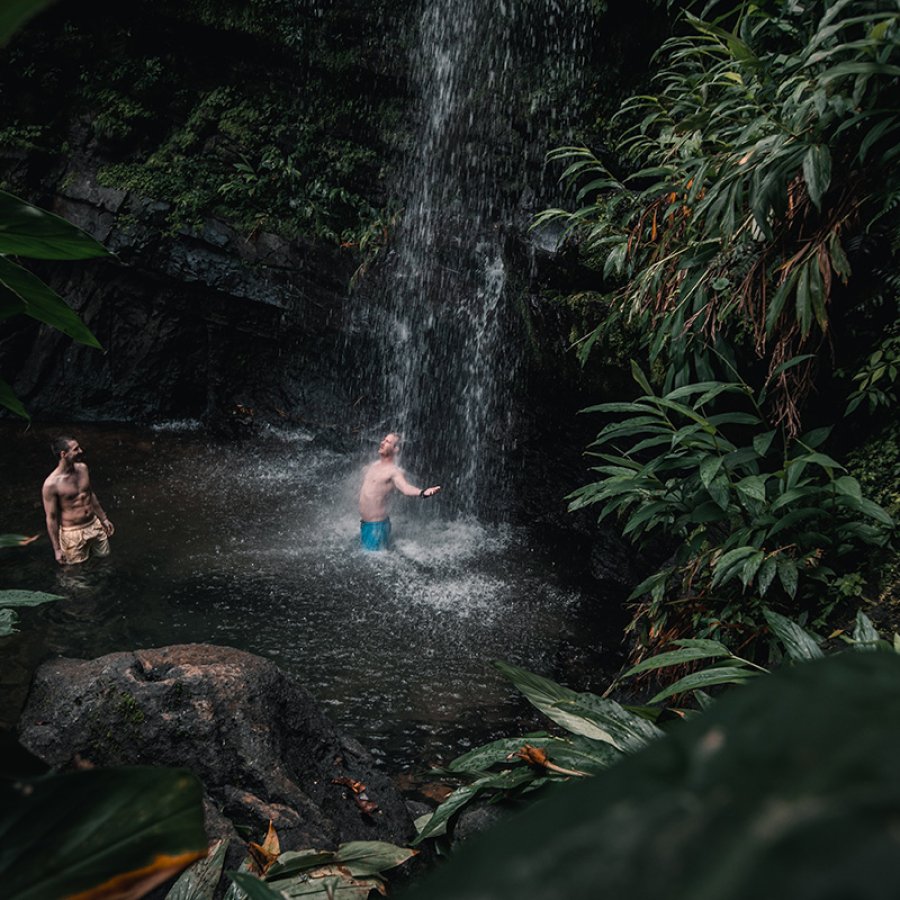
x: 78, y: 542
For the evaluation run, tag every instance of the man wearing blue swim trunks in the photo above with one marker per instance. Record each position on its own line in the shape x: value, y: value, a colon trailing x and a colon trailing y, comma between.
x: 380, y: 480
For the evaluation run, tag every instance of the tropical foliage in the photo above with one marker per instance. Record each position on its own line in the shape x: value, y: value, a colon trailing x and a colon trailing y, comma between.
x: 597, y: 732
x: 755, y: 514
x: 726, y: 222
x: 351, y: 872
x: 282, y: 124
x: 770, y: 144
x: 26, y: 231
x: 770, y: 791
x: 98, y: 833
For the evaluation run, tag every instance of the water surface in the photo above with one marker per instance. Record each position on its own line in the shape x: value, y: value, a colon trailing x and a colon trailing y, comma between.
x: 255, y: 546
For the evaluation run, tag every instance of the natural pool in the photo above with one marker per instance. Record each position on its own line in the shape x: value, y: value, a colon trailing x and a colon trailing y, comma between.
x: 255, y: 546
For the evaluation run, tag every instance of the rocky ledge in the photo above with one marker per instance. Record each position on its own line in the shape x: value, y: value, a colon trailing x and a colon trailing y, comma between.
x: 256, y: 739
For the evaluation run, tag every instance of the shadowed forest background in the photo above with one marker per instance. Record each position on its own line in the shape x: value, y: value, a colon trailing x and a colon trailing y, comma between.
x: 626, y: 278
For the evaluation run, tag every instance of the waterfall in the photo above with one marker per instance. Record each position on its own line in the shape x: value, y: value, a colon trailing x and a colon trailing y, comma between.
x: 494, y: 79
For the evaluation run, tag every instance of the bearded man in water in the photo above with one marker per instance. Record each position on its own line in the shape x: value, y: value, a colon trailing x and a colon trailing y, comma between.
x: 76, y: 522
x: 380, y: 480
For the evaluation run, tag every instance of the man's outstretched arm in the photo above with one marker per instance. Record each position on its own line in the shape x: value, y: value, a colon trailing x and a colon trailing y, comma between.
x: 411, y: 490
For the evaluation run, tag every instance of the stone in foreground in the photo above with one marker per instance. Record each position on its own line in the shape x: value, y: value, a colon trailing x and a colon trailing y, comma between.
x: 257, y: 740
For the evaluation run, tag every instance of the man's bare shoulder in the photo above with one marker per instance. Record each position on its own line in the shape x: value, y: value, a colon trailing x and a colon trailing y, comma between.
x: 50, y: 487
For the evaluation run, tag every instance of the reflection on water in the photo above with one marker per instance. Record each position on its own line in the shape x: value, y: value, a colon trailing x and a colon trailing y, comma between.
x: 257, y: 547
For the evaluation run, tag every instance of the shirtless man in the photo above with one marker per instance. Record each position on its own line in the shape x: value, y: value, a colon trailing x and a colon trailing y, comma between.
x: 76, y: 522
x: 380, y: 480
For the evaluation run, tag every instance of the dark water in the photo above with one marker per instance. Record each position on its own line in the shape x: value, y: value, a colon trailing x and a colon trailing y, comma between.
x: 256, y: 547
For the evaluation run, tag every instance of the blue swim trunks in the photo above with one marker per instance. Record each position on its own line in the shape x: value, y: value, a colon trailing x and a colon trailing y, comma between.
x: 375, y: 535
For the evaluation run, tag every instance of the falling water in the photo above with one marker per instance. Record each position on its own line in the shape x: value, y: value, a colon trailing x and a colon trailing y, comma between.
x: 495, y: 80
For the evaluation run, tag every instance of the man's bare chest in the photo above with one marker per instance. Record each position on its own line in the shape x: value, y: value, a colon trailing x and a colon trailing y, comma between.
x: 73, y: 488
x: 380, y: 477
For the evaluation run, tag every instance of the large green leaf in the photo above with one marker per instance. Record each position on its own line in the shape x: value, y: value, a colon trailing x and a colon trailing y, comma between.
x: 479, y: 760
x: 574, y: 752
x: 26, y: 230
x: 585, y: 714
x: 44, y: 304
x: 676, y: 658
x: 741, y: 802
x: 26, y: 598
x: 582, y: 754
x: 199, y: 881
x: 817, y: 172
x: 503, y: 782
x: 65, y: 834
x: 15, y: 13
x: 359, y: 858
x: 704, y: 679
x: 11, y: 401
x: 372, y: 857
x: 294, y: 861
x: 799, y: 643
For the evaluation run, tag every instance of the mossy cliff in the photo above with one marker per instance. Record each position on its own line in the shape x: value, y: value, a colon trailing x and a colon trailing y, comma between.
x: 232, y: 155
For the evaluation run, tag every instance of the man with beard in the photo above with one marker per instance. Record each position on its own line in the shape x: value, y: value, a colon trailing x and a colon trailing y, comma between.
x: 76, y: 523
x: 380, y: 480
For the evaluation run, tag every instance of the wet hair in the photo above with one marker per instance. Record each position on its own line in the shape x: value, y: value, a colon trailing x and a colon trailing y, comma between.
x: 60, y: 444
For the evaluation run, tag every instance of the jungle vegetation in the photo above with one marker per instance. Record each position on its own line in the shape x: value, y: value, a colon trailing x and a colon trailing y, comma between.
x: 743, y: 224
x: 297, y: 147
x: 742, y: 221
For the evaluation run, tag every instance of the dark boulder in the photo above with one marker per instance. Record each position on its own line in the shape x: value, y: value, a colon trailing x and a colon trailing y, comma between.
x: 256, y: 739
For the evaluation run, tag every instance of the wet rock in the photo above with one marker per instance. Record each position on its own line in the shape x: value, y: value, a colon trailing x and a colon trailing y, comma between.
x: 256, y: 739
x: 194, y: 323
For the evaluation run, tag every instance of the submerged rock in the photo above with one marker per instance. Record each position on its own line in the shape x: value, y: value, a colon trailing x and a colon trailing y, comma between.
x: 257, y: 740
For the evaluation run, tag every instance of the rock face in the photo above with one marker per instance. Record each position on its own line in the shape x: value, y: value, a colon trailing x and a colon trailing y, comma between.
x: 203, y: 324
x: 256, y: 739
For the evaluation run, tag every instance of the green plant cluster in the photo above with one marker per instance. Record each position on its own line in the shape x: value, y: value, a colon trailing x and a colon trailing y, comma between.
x: 252, y: 162
x: 596, y: 732
x: 742, y: 799
x: 767, y: 145
x: 734, y: 224
x: 353, y: 871
x: 769, y: 514
x: 283, y: 123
